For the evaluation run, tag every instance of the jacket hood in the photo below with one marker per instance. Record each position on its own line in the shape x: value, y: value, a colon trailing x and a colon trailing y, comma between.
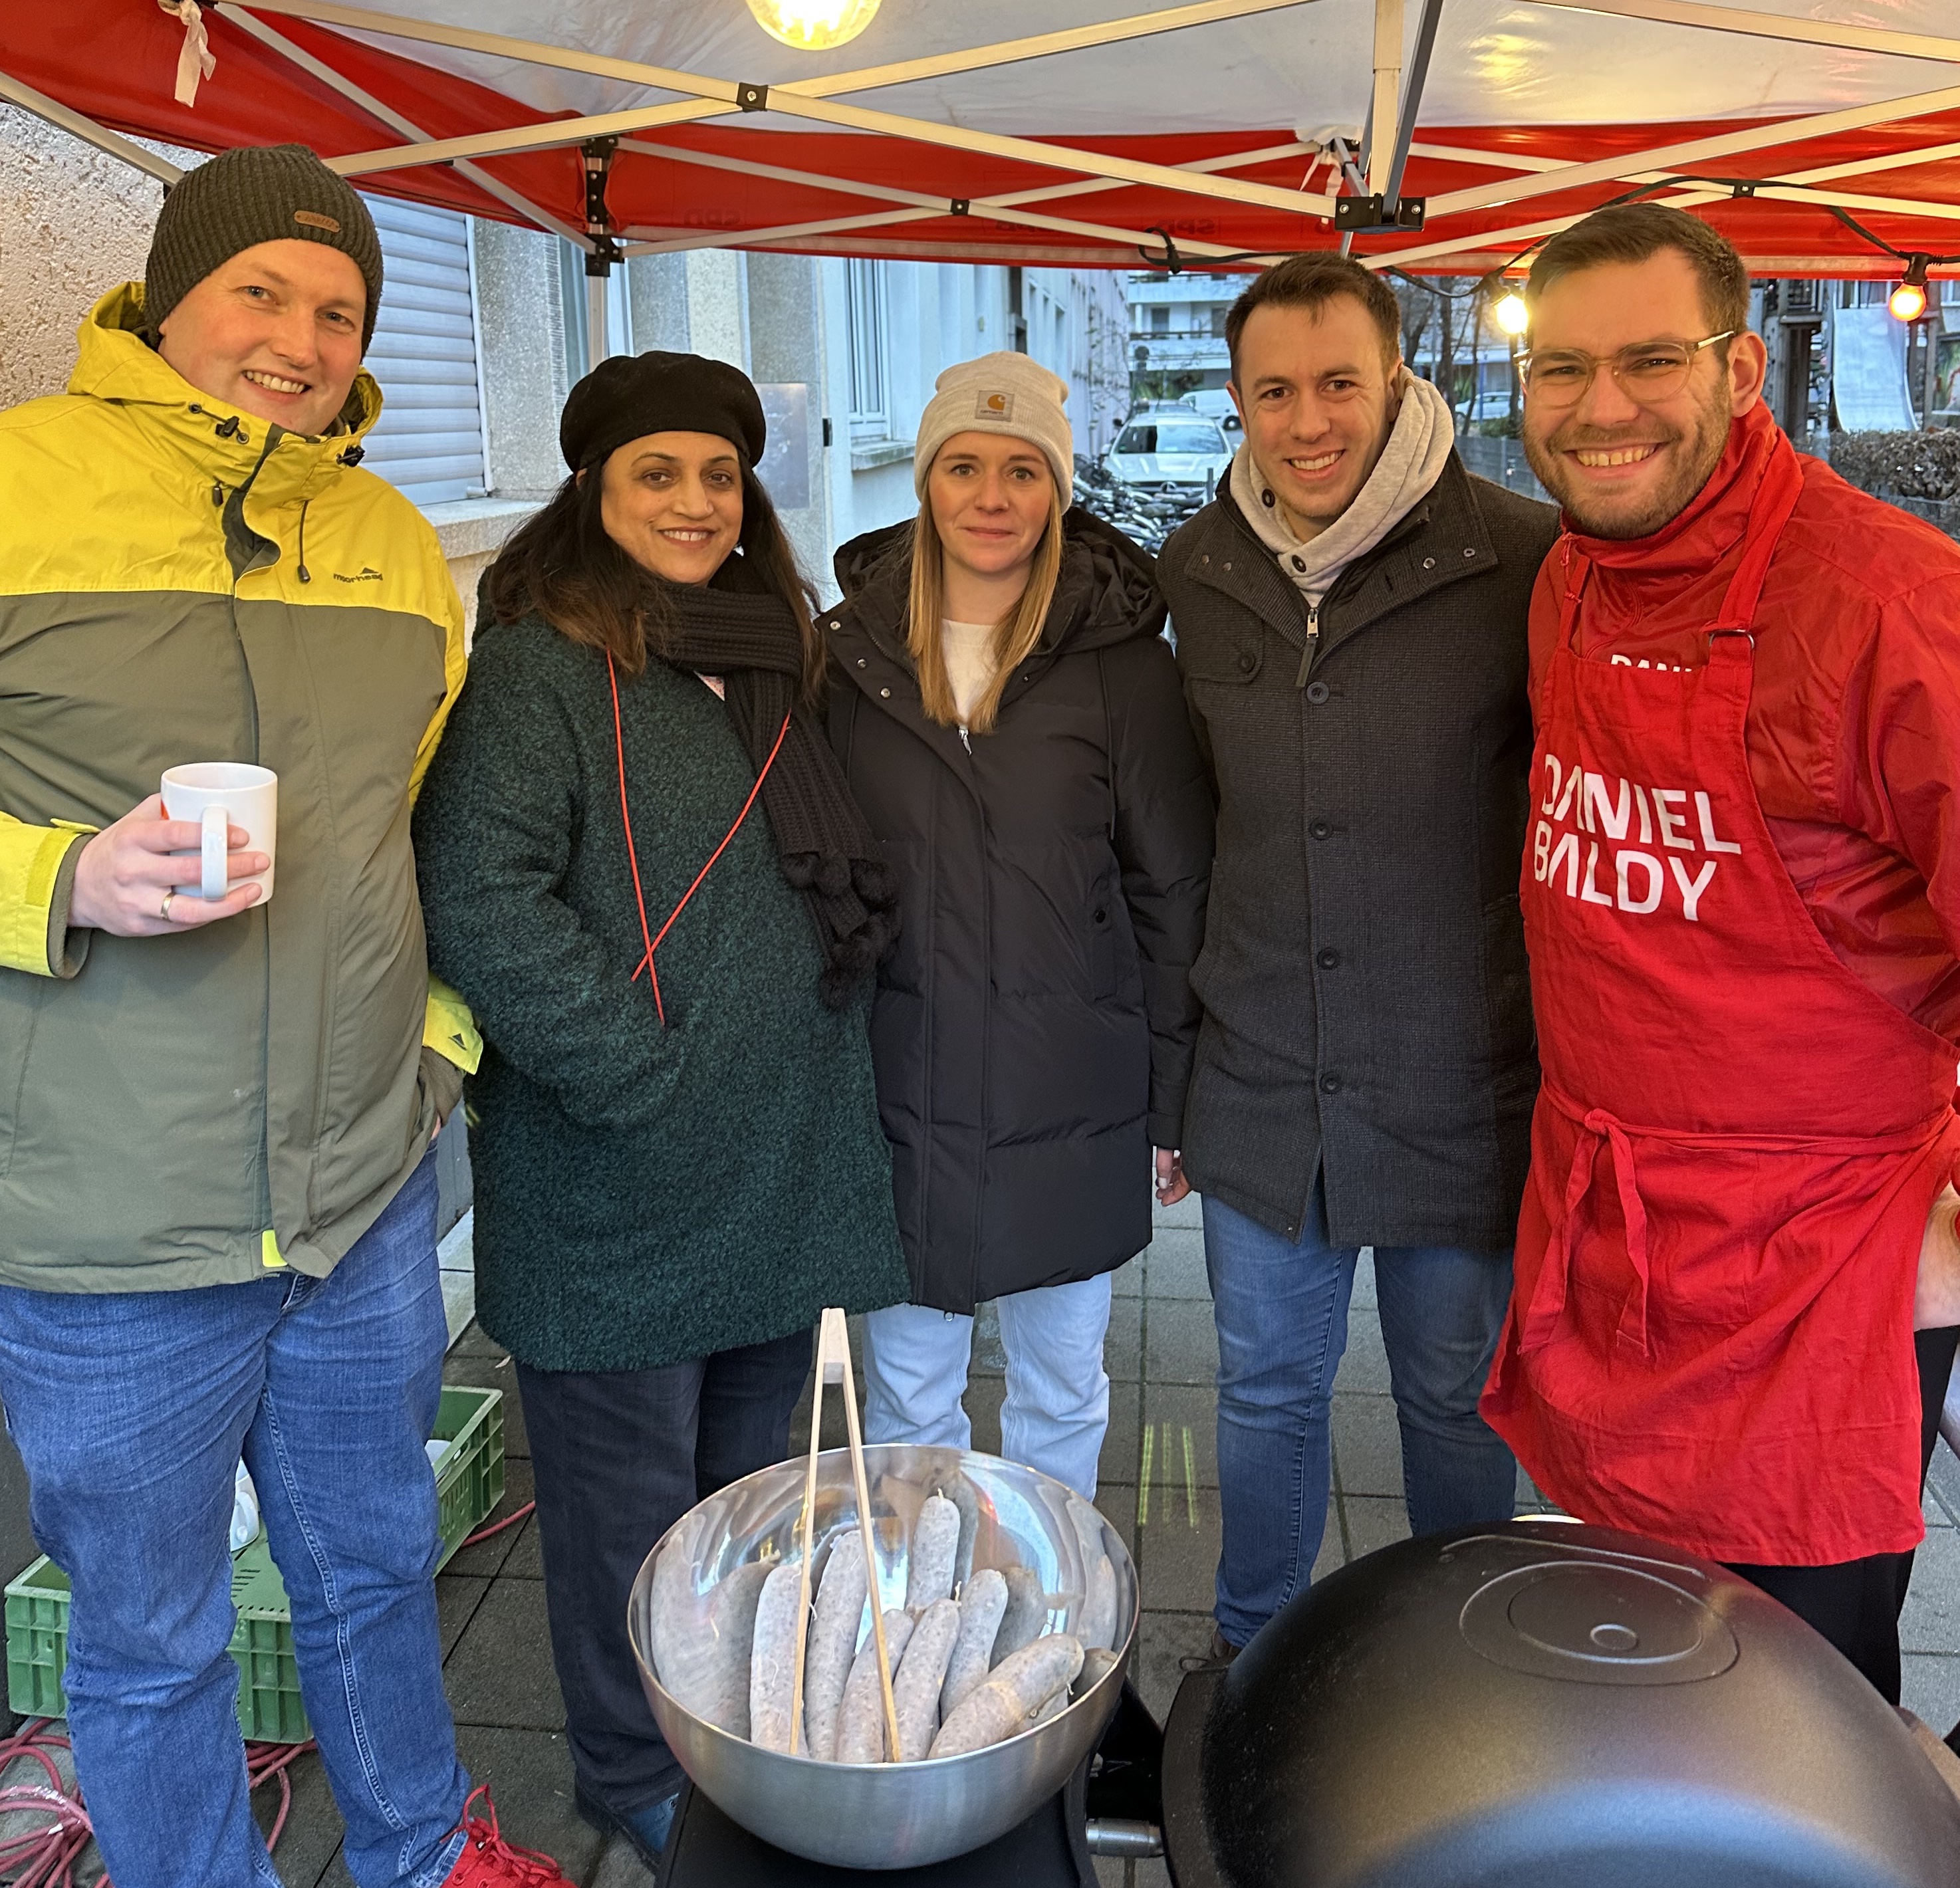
x: 114, y: 363
x: 1107, y: 593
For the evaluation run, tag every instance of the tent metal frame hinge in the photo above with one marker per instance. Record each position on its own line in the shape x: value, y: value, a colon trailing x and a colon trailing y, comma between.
x: 751, y: 98
x: 961, y: 206
x: 1375, y: 216
x: 1743, y: 189
x: 598, y: 155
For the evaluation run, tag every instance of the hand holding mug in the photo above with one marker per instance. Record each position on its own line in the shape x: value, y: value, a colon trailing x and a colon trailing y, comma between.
x: 125, y: 880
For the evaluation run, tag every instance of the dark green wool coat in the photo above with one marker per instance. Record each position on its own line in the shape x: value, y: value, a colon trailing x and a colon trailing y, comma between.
x: 644, y: 1195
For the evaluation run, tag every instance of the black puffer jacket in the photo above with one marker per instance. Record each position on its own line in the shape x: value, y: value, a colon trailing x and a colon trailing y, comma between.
x: 1033, y: 1030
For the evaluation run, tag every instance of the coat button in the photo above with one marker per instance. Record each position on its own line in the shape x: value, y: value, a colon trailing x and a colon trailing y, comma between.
x: 1227, y: 564
x: 1316, y: 692
x: 1099, y: 915
x: 885, y: 694
x: 1247, y: 661
x: 1328, y: 960
x: 1469, y: 552
x: 1330, y: 1084
x: 1300, y: 564
x: 1320, y: 830
x: 860, y: 662
x: 1428, y: 563
x: 1205, y: 558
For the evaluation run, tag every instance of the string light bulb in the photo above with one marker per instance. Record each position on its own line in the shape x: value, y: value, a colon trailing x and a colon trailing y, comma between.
x: 1908, y: 299
x: 813, y: 25
x: 1510, y: 313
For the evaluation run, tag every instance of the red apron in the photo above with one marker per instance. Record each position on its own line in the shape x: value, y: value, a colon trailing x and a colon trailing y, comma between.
x: 1735, y: 1147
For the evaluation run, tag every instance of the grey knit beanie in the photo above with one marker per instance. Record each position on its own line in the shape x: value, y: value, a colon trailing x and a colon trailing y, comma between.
x: 1005, y: 393
x: 258, y: 193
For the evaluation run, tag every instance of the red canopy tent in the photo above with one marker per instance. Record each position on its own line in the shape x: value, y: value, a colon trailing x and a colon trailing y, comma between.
x: 1191, y: 136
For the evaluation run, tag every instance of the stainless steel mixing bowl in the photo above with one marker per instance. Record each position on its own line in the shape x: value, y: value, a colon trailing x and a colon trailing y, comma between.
x: 888, y: 1815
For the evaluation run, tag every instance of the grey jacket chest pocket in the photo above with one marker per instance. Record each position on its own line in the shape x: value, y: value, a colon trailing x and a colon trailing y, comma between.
x: 1232, y: 661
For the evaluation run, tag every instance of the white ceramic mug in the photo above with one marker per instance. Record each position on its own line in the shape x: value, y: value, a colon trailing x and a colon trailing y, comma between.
x: 217, y: 794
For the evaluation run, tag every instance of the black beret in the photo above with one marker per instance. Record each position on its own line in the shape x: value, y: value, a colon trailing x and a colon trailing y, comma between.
x: 631, y: 396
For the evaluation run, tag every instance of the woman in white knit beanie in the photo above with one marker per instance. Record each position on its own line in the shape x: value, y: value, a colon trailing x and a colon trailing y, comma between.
x: 1011, y: 725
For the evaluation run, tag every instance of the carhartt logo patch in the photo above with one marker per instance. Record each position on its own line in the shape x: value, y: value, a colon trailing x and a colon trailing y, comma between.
x: 314, y: 219
x: 366, y: 574
x: 994, y: 406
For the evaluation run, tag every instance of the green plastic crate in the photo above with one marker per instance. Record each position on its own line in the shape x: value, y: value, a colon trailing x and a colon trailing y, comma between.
x: 470, y: 1483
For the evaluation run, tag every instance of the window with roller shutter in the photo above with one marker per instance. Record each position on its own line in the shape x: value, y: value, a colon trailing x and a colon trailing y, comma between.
x: 429, y: 444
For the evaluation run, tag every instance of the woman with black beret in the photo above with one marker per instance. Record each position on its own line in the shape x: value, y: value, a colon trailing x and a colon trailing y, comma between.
x: 640, y: 865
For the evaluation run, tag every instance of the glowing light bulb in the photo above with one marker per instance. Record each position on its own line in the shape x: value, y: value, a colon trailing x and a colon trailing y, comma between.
x: 1511, y: 314
x: 813, y: 25
x: 1908, y: 302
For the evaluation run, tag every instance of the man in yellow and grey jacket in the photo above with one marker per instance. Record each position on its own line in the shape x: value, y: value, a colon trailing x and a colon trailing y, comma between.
x: 217, y: 1206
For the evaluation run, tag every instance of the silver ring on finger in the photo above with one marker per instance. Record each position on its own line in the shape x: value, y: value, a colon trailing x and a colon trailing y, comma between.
x: 165, y: 913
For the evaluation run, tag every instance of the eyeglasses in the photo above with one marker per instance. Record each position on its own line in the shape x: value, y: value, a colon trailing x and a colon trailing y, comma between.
x: 1650, y: 371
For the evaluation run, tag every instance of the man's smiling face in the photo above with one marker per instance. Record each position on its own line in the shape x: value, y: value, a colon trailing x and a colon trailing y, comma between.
x: 1316, y: 390
x: 276, y: 332
x: 1624, y: 468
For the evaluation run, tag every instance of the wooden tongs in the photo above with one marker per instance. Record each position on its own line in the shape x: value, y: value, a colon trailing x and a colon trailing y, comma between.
x: 833, y: 1365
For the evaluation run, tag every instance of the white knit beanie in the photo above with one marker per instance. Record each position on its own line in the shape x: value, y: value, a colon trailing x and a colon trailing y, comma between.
x: 1005, y: 393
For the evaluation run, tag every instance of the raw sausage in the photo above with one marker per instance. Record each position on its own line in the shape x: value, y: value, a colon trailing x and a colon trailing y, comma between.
x: 935, y: 1545
x: 981, y: 1603
x: 833, y: 1638
x: 1026, y: 1613
x: 860, y: 1719
x: 915, y: 1691
x: 1016, y: 1687
x: 1099, y: 1610
x: 772, y: 1663
x: 701, y: 1647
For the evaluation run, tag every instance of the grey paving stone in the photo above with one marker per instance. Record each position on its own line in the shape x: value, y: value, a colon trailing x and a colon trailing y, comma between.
x: 489, y: 1558
x: 1367, y: 1446
x: 1187, y: 1412
x: 1117, y: 1503
x: 1123, y: 1348
x: 1179, y: 1555
x: 1127, y: 1281
x: 1333, y: 1553
x: 1188, y: 1212
x: 475, y: 1341
x: 500, y: 1673
x: 989, y: 1356
x: 1930, y: 1688
x: 1372, y: 1522
x: 457, y: 1596
x: 1163, y: 1639
x: 493, y: 1370
x: 1122, y: 1443
x: 1931, y: 1620
x: 1364, y: 1278
x: 1364, y: 1366
x: 984, y: 1395
x: 1174, y: 1265
x: 1182, y: 1341
x: 1943, y: 1486
x: 618, y: 1866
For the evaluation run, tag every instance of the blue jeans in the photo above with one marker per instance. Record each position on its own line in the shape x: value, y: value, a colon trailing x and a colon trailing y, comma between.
x: 1057, y: 1407
x: 131, y: 1410
x: 1282, y: 1311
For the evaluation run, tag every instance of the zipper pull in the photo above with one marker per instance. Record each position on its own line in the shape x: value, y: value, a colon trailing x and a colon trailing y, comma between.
x: 1312, y: 643
x: 965, y: 740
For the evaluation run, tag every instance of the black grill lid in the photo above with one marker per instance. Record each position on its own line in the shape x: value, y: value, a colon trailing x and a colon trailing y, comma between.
x: 1540, y: 1705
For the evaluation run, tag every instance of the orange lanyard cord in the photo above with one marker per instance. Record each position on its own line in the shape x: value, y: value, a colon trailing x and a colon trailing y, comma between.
x: 653, y: 941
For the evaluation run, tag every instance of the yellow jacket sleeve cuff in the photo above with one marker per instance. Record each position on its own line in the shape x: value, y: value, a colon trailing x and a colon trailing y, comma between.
x: 36, y: 876
x: 450, y: 1029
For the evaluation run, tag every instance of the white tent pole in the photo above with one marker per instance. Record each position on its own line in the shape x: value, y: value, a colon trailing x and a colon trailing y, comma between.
x: 551, y: 134
x: 1825, y: 173
x: 1789, y: 131
x: 1411, y: 101
x: 1383, y: 119
x: 598, y: 345
x: 1772, y: 26
x: 388, y: 116
x: 923, y: 206
x: 88, y: 130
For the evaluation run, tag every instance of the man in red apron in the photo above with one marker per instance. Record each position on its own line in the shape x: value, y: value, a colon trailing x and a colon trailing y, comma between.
x: 1741, y: 897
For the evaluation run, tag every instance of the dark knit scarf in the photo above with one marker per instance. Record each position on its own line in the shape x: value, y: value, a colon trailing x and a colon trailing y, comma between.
x: 736, y: 628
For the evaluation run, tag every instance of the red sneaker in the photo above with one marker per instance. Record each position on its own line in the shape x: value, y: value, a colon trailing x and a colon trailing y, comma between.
x: 488, y: 1861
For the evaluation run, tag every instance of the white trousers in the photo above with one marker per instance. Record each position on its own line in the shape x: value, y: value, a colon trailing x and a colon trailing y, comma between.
x: 1057, y: 1402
